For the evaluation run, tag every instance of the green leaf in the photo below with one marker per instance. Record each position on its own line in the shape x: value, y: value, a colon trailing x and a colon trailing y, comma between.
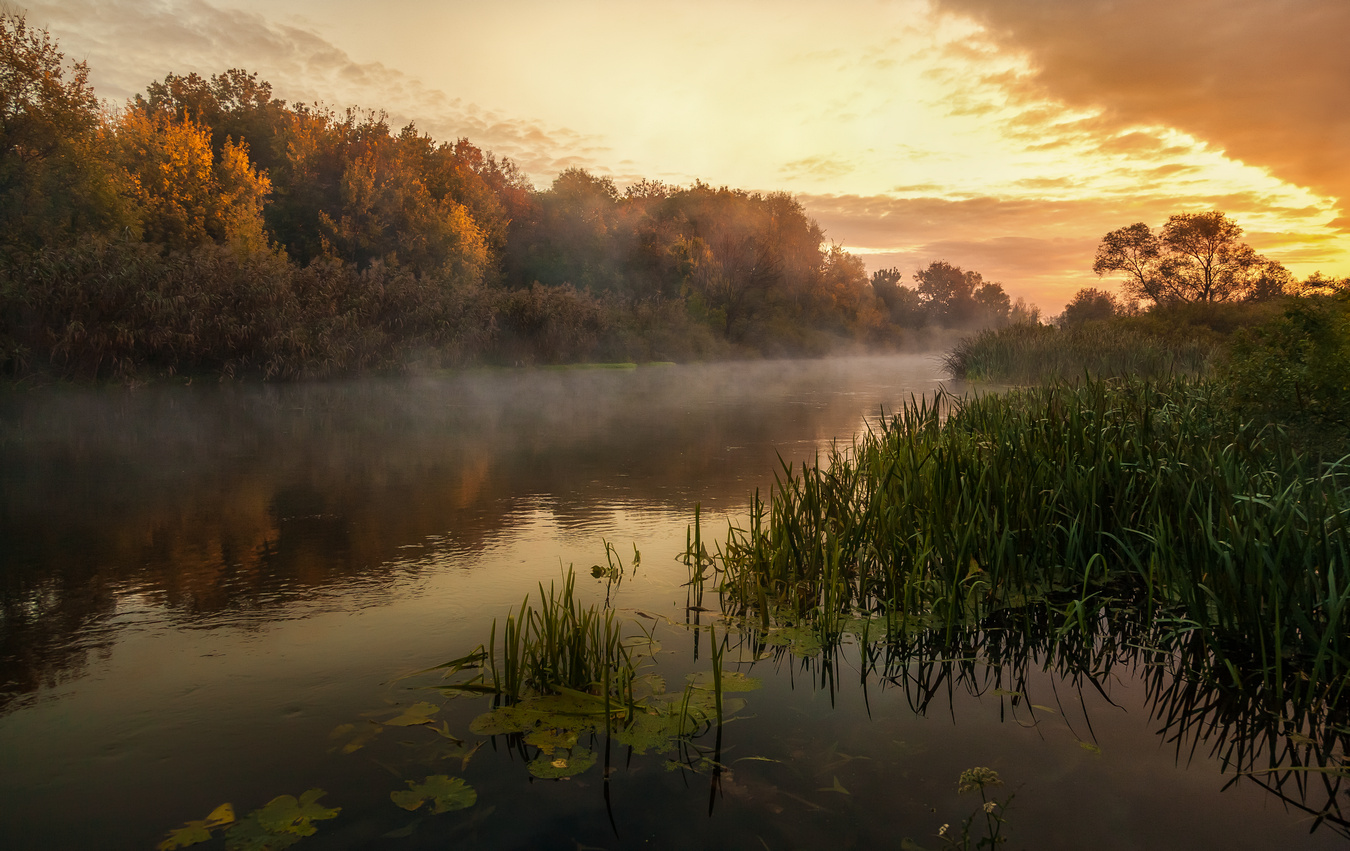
x: 650, y: 731
x: 357, y: 736
x: 445, y: 793
x: 249, y: 835
x: 557, y: 767
x: 198, y: 831
x: 221, y: 815
x: 731, y: 681
x: 418, y: 713
x: 189, y: 834
x: 549, y: 739
x: 285, y: 814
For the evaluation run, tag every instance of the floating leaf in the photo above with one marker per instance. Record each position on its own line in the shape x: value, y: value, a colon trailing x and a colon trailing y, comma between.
x: 359, y: 736
x: 648, y: 685
x: 189, y: 834
x: 550, y: 739
x: 285, y: 814
x: 445, y: 793
x: 503, y: 720
x: 558, y: 767
x: 1089, y: 746
x: 220, y: 816
x: 1044, y: 708
x: 198, y: 831
x: 249, y: 835
x: 731, y: 681
x: 418, y: 713
x: 650, y: 731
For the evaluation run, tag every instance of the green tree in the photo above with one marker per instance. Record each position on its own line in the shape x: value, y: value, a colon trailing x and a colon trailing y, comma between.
x: 1089, y: 305
x: 56, y: 178
x: 948, y: 293
x: 993, y: 304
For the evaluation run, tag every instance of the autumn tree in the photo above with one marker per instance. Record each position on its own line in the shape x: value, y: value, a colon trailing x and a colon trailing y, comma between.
x: 182, y: 194
x: 233, y: 105
x: 1196, y: 257
x: 56, y: 179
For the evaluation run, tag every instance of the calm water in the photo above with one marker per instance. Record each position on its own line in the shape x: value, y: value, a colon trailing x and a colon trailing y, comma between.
x: 199, y: 585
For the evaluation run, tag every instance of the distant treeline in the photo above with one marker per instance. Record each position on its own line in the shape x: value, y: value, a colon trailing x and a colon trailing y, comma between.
x: 211, y: 227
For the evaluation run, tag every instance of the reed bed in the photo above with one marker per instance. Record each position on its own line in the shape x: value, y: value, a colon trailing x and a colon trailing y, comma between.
x: 561, y: 646
x: 1087, y: 494
x: 1030, y: 354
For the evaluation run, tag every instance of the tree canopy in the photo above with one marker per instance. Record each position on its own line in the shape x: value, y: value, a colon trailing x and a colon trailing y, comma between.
x: 1195, y: 257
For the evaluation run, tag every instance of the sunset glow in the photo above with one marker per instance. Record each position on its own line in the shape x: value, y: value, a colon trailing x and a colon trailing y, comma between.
x: 1006, y: 138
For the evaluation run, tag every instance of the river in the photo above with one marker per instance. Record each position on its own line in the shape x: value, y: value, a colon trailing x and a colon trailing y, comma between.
x: 208, y: 593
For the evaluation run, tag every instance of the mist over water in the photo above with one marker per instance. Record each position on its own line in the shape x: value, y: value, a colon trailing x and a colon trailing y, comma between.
x: 198, y: 584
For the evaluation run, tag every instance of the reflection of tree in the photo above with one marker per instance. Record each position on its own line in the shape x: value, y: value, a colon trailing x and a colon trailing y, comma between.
x: 234, y: 502
x: 1295, y: 749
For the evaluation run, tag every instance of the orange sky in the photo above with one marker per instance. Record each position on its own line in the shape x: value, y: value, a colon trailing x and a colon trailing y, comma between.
x: 1002, y: 137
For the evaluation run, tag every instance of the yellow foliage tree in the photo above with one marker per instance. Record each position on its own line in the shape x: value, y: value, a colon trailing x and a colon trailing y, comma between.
x: 183, y: 196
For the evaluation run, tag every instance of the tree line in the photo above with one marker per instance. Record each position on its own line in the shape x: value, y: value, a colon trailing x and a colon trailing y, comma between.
x: 211, y: 226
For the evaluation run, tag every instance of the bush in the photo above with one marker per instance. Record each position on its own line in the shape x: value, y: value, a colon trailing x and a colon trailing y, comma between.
x: 1295, y: 368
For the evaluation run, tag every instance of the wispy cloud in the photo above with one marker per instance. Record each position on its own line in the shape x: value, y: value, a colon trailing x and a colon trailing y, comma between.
x: 131, y: 43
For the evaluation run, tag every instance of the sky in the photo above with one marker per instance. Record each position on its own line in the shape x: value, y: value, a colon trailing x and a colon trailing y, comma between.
x: 1002, y: 137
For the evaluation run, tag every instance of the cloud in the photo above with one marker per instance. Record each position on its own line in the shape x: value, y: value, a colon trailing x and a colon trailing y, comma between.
x: 817, y: 167
x: 1265, y: 82
x: 131, y: 43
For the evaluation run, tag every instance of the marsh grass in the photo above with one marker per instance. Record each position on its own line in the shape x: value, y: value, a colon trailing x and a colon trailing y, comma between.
x: 1029, y: 354
x: 1088, y: 494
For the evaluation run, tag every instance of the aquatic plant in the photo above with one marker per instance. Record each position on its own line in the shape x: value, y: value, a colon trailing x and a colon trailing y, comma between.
x: 280, y: 823
x: 955, y: 508
x: 1033, y: 353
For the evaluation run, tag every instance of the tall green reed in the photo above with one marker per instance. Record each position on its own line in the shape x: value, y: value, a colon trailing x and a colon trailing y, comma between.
x: 955, y: 508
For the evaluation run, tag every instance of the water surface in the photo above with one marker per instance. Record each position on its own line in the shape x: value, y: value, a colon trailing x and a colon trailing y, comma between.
x: 199, y: 584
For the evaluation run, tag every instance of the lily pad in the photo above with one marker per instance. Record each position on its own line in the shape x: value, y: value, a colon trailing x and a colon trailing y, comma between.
x: 504, y: 720
x: 550, y: 739
x: 357, y: 736
x: 445, y: 793
x: 197, y: 831
x: 650, y: 731
x: 557, y: 767
x: 418, y: 713
x: 249, y: 835
x: 731, y: 681
x: 189, y: 834
x: 285, y: 814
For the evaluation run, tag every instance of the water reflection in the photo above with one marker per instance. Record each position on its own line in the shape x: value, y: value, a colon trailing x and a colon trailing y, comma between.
x: 1037, y: 669
x: 230, y: 502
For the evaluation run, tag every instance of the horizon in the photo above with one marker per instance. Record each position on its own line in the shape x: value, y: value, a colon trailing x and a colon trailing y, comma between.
x: 1006, y: 141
